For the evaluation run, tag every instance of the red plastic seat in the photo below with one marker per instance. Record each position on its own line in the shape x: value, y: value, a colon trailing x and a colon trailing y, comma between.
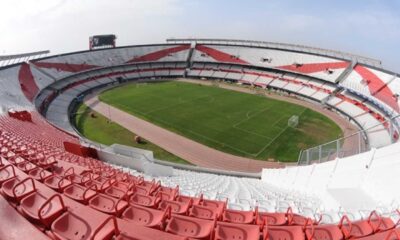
x: 322, y: 232
x: 80, y: 193
x: 6, y: 173
x: 176, y: 207
x: 195, y: 201
x: 109, y: 205
x: 283, y: 232
x: 147, y: 217
x: 296, y: 219
x: 46, y: 162
x: 150, y: 186
x: 26, y: 166
x: 219, y: 206
x: 380, y: 224
x: 80, y: 179
x: 167, y: 193
x: 116, y: 192
x: 62, y: 171
x: 123, y: 231
x: 166, y: 196
x: 57, y: 183
x: 15, y: 189
x: 137, y: 189
x: 101, y: 183
x: 125, y: 186
x: 234, y: 231
x: 41, y: 209
x: 190, y: 227
x: 393, y: 234
x: 237, y: 216
x: 271, y: 219
x: 199, y: 211
x: 356, y: 229
x: 71, y: 226
x: 39, y: 174
x: 143, y: 200
x: 14, y: 159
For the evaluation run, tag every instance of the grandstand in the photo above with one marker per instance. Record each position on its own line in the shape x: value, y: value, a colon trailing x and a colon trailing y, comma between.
x: 57, y: 185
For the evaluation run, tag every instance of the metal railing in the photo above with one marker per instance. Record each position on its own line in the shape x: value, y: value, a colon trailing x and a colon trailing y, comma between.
x: 350, y: 145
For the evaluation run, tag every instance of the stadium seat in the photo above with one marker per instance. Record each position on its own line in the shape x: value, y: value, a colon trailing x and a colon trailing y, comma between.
x: 322, y: 231
x: 233, y: 231
x: 39, y: 174
x: 283, y: 232
x: 122, y: 231
x: 101, y: 183
x: 71, y: 226
x: 80, y: 179
x: 26, y: 166
x: 271, y: 219
x: 190, y: 227
x: 57, y: 183
x: 107, y: 204
x: 194, y: 200
x: 199, y: 211
x: 147, y: 217
x: 219, y: 206
x: 15, y: 226
x: 117, y: 192
x: 237, y: 216
x: 41, y: 209
x: 143, y: 200
x: 176, y: 207
x: 356, y: 229
x: 6, y: 172
x: 80, y: 193
x: 15, y: 189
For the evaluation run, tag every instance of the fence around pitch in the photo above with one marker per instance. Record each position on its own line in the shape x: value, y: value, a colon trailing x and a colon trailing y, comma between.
x: 349, y: 145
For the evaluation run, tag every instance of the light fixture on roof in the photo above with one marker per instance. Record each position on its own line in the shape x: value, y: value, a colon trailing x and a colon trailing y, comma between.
x: 365, y: 81
x: 329, y: 71
x: 268, y: 60
x: 297, y: 65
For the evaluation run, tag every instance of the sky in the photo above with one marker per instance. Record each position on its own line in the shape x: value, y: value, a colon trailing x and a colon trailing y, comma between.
x: 366, y: 27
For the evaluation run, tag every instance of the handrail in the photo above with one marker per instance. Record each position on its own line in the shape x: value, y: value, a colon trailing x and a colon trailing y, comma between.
x: 14, y: 190
x: 101, y: 226
x: 48, y: 201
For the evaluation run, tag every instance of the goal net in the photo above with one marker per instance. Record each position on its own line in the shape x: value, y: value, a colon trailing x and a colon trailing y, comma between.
x: 293, y: 121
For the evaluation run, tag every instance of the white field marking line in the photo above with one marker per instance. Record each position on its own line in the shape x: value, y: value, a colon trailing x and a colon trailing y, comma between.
x: 276, y: 137
x: 253, y: 133
x: 248, y: 118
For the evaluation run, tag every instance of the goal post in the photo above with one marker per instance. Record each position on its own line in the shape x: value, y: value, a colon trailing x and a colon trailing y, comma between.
x: 293, y: 121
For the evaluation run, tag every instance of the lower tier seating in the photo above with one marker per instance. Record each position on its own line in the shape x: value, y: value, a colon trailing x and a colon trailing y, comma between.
x: 65, y: 196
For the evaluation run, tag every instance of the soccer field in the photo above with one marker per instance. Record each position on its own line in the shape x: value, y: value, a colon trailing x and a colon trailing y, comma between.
x: 238, y: 123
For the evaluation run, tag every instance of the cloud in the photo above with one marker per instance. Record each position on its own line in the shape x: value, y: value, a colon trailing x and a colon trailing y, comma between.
x: 371, y: 28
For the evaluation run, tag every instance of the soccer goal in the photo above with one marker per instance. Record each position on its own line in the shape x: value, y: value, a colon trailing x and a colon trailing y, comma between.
x: 293, y: 121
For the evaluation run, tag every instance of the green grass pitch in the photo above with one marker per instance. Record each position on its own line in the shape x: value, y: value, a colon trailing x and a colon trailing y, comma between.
x: 238, y: 123
x: 101, y: 130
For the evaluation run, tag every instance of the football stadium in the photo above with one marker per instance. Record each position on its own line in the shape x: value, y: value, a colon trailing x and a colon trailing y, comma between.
x: 198, y: 138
